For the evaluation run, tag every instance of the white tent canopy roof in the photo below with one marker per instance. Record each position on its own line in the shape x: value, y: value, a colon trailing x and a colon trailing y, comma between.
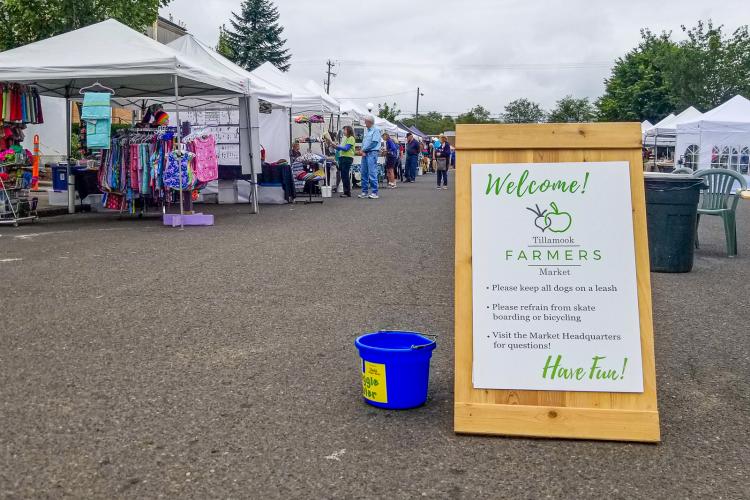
x: 645, y: 125
x: 668, y: 126
x: 663, y: 121
x: 732, y: 115
x: 348, y: 108
x: 330, y: 104
x: 303, y: 100
x: 111, y: 53
x: 201, y: 53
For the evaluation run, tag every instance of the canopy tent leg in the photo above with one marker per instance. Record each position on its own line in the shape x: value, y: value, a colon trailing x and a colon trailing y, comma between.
x: 69, y: 170
x: 178, y: 144
x: 253, y: 138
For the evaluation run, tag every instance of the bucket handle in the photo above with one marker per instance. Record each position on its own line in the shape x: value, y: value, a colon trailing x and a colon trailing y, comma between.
x: 431, y: 337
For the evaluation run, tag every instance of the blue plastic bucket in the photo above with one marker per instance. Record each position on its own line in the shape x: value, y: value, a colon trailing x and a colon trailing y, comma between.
x: 395, y: 368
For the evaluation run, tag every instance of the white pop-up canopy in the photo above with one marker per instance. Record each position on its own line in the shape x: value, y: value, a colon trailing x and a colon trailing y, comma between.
x: 201, y: 53
x: 330, y: 105
x: 645, y: 125
x: 109, y: 52
x: 132, y: 65
x: 357, y: 114
x: 719, y: 138
x: 668, y: 126
x: 303, y: 100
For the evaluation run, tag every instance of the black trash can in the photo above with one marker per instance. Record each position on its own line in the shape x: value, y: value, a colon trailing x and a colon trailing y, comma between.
x: 671, y: 212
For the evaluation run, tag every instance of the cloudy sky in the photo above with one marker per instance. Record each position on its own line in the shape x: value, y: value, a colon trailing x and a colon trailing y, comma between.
x: 463, y: 53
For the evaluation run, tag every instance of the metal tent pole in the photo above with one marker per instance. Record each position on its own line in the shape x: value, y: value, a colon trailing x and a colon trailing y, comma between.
x: 178, y: 139
x: 251, y: 107
x: 69, y: 170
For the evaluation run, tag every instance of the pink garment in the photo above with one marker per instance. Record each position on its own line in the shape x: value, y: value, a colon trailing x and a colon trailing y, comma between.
x: 206, y: 162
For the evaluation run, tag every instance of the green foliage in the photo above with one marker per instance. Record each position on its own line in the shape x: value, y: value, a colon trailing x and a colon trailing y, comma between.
x: 572, y: 110
x: 432, y: 123
x: 638, y: 88
x: 710, y: 67
x: 523, y: 111
x: 223, y: 47
x: 477, y: 114
x: 27, y: 21
x: 661, y: 75
x: 389, y: 112
x: 255, y: 36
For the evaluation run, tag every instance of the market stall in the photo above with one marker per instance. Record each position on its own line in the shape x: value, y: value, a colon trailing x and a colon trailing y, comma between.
x: 127, y: 66
x: 720, y: 138
x: 663, y: 135
x: 225, y: 120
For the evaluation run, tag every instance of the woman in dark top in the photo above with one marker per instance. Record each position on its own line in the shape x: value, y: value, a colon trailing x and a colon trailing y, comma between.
x: 444, y: 160
x: 391, y: 157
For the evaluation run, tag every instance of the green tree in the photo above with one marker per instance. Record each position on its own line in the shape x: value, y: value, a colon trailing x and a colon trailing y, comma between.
x: 639, y: 87
x: 477, y: 114
x: 222, y: 46
x: 389, y: 112
x: 432, y: 123
x: 255, y: 36
x: 27, y: 21
x: 572, y: 110
x: 709, y: 66
x: 523, y: 111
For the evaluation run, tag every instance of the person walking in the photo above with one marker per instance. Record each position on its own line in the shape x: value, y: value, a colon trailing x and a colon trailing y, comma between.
x: 443, y: 154
x: 391, y: 157
x: 412, y: 157
x: 370, y: 153
x: 346, y: 158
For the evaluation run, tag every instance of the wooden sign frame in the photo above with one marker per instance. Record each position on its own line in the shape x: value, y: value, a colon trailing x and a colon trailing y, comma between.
x: 552, y: 414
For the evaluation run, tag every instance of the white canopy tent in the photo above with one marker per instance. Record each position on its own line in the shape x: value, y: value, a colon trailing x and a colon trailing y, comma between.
x: 356, y: 114
x: 650, y: 139
x: 120, y: 58
x: 718, y: 138
x: 273, y: 133
x: 667, y: 128
x: 201, y: 53
x: 303, y: 100
x: 129, y: 62
x: 330, y: 105
x: 645, y: 125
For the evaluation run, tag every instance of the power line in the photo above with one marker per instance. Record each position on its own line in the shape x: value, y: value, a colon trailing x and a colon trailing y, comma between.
x: 376, y: 96
x: 518, y: 66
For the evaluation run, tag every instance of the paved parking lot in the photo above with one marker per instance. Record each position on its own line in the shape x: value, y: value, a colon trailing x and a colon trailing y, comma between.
x: 141, y: 361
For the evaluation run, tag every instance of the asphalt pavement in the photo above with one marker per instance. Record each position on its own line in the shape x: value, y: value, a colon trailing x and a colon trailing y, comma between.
x: 139, y: 361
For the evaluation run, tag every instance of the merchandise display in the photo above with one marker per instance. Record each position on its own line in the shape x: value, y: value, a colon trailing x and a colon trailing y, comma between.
x: 146, y: 165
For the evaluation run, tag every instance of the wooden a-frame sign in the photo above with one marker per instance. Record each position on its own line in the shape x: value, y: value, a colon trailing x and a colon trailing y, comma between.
x: 621, y: 416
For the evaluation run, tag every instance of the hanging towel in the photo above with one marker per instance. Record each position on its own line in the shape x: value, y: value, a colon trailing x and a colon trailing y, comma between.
x: 97, y: 112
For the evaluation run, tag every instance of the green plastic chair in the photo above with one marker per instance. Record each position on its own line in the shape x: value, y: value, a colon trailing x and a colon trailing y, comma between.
x: 720, y: 199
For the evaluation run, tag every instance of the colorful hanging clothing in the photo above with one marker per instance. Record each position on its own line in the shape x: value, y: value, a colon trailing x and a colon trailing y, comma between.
x: 20, y: 104
x: 179, y: 173
x: 206, y: 161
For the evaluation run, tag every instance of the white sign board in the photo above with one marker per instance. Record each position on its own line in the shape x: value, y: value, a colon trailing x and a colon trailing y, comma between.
x: 555, y: 301
x: 223, y: 124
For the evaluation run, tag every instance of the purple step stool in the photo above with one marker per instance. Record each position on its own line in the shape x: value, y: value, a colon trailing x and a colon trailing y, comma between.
x: 188, y: 220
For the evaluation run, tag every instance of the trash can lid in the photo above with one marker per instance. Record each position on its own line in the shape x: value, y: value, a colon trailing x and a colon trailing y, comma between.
x: 659, y: 181
x: 666, y: 176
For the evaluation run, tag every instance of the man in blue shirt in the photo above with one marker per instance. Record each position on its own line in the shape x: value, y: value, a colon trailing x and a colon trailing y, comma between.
x: 370, y: 153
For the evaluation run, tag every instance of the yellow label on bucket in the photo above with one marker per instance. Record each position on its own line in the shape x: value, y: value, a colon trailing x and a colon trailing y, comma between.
x: 374, y: 387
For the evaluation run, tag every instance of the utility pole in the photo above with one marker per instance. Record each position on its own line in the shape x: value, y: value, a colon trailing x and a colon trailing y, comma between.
x: 416, y: 115
x: 329, y: 74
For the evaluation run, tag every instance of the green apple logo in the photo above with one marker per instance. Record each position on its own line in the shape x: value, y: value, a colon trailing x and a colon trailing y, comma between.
x: 557, y: 221
x: 553, y: 219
